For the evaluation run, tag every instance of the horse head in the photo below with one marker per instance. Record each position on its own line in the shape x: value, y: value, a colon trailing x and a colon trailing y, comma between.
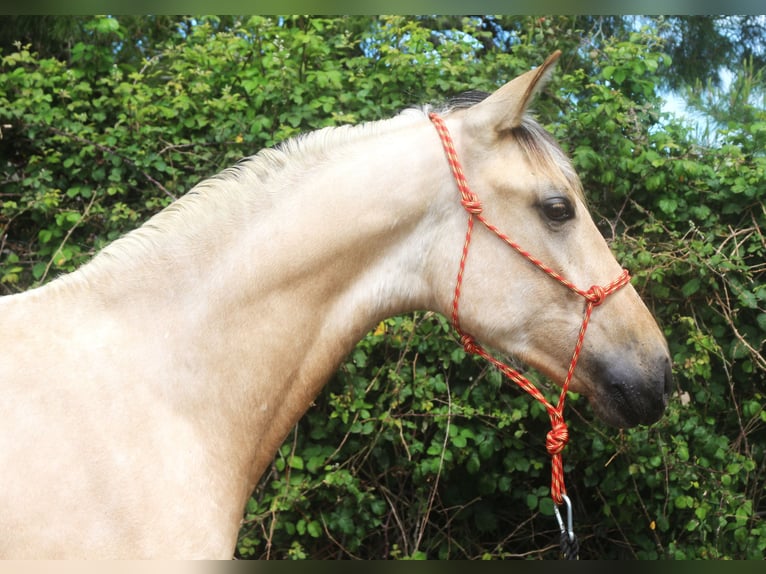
x: 529, y: 301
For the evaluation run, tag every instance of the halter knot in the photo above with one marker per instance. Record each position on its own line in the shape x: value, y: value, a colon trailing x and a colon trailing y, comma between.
x: 469, y: 344
x: 472, y: 204
x: 596, y: 295
x: 557, y: 437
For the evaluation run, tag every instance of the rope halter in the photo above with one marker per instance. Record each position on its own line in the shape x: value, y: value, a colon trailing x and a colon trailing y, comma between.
x: 558, y: 436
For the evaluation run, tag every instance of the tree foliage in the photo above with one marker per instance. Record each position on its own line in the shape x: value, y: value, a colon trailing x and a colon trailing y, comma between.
x: 415, y: 449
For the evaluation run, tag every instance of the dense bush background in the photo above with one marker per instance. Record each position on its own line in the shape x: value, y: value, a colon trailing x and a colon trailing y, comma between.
x: 415, y: 449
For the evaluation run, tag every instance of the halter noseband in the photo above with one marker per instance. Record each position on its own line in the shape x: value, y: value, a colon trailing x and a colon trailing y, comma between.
x: 558, y: 436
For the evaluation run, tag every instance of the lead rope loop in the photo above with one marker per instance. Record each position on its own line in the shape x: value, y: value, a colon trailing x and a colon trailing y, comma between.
x: 558, y: 436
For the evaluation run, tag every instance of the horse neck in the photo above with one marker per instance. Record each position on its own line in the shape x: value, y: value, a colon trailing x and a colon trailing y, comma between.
x: 253, y: 316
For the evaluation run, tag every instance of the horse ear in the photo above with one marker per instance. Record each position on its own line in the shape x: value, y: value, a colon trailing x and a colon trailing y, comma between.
x: 504, y: 109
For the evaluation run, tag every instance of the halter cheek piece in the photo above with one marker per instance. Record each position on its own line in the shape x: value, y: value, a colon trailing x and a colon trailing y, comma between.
x: 558, y: 436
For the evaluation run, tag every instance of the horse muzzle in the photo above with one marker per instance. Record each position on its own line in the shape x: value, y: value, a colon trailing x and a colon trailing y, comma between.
x: 625, y: 395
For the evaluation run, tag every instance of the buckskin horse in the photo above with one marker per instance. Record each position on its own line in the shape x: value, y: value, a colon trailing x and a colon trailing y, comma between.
x: 144, y: 394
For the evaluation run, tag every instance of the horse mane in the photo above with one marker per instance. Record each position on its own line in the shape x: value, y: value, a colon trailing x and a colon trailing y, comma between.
x: 240, y: 191
x: 243, y: 190
x: 300, y: 152
x: 308, y: 149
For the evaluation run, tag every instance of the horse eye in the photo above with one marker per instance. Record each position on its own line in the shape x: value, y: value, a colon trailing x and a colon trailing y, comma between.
x: 558, y: 209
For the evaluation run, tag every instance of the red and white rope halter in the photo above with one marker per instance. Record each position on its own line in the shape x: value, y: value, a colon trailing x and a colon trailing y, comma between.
x: 558, y: 436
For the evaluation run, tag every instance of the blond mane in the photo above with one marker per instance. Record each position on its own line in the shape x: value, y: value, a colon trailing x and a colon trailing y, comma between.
x: 243, y: 191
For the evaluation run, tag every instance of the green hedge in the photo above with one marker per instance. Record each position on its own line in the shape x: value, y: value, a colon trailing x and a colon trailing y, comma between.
x: 414, y: 449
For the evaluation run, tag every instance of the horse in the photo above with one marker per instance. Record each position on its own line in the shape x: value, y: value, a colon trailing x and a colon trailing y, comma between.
x: 145, y: 393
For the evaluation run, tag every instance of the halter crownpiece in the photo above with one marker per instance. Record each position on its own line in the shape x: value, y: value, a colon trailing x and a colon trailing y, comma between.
x: 558, y: 436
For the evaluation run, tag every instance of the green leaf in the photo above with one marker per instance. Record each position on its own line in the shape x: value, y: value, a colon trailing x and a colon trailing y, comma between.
x: 459, y: 441
x: 748, y: 299
x: 546, y: 506
x: 691, y: 287
x: 45, y: 235
x: 38, y: 269
x: 106, y: 25
x: 314, y: 529
x: 473, y: 464
x: 668, y: 205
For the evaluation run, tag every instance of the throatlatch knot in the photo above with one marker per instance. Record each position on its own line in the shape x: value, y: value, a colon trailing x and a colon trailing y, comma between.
x: 557, y: 437
x: 596, y: 295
